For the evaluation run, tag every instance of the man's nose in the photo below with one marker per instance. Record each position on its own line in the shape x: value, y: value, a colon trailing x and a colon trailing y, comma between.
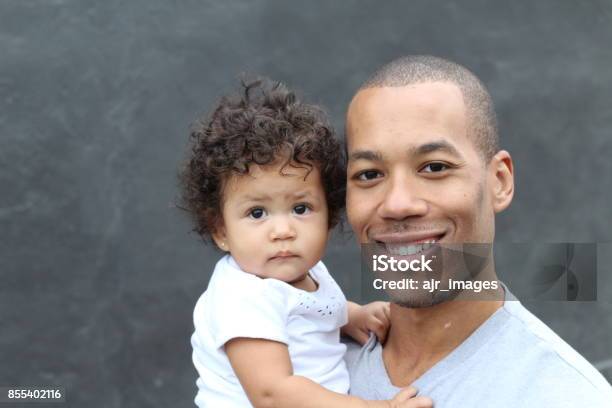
x: 402, y: 200
x: 282, y: 228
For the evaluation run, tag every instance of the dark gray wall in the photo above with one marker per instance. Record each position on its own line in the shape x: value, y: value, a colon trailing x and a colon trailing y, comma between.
x: 98, y: 271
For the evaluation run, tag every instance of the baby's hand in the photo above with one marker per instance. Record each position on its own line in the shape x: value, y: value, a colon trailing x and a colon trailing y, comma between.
x: 406, y: 398
x: 373, y: 317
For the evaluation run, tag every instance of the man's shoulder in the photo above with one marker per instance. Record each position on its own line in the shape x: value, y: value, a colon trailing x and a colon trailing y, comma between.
x: 513, y: 353
x: 532, y: 346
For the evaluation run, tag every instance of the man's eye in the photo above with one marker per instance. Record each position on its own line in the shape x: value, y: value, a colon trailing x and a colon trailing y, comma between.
x: 435, y: 167
x: 301, y: 209
x: 257, y: 213
x: 368, y: 175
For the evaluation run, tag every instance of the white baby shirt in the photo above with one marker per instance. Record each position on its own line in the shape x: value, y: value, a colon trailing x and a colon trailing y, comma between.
x: 239, y: 304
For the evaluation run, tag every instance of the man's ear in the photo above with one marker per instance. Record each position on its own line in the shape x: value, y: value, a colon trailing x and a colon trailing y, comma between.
x: 502, y: 174
x: 219, y: 235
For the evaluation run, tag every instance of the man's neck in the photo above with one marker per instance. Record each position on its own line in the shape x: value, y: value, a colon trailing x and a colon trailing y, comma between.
x: 420, y: 337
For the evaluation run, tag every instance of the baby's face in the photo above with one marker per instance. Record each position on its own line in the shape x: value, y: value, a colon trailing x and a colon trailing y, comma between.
x: 275, y: 225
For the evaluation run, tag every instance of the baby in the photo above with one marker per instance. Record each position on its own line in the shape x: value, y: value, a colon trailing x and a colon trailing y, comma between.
x: 265, y: 182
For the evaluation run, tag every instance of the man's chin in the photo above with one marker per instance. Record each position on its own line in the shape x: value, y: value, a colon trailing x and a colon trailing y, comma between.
x: 421, y: 299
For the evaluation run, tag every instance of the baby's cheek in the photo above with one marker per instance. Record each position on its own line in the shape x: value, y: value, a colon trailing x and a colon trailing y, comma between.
x: 249, y: 260
x: 318, y: 243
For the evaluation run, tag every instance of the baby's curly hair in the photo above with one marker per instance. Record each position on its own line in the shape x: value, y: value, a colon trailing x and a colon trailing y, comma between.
x: 263, y: 124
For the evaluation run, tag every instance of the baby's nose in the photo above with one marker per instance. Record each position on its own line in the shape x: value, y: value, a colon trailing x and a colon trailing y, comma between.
x: 282, y: 228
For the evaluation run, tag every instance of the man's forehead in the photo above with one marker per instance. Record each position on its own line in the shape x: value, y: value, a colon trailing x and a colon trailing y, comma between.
x: 424, y: 94
x: 432, y: 109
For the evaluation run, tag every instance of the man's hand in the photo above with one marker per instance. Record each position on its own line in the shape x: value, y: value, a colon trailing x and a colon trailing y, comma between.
x: 373, y: 317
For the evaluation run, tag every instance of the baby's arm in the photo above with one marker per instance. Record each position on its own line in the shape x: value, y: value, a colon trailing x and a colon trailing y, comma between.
x: 265, y: 372
x: 373, y: 317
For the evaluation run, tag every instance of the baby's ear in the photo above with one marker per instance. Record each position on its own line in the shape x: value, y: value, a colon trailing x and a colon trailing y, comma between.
x: 220, y: 237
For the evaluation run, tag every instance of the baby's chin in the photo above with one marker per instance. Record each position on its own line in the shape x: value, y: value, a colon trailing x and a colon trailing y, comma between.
x: 288, y: 275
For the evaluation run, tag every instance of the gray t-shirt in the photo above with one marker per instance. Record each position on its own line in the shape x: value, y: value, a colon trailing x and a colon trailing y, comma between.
x: 511, y: 360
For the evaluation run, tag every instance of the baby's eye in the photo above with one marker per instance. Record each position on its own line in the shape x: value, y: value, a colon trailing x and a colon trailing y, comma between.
x: 435, y: 167
x: 257, y: 213
x: 301, y: 209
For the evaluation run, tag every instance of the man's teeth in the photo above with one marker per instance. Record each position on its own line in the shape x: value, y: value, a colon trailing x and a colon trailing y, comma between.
x: 403, y: 249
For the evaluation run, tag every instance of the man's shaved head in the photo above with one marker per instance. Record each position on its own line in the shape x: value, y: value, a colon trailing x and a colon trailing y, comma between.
x: 416, y: 69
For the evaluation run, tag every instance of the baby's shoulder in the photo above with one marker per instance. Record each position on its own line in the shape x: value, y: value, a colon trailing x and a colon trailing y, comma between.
x: 234, y: 283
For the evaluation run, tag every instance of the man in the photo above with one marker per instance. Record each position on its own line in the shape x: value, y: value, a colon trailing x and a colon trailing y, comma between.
x: 424, y: 165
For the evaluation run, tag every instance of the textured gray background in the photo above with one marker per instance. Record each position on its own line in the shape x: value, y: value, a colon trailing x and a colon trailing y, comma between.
x: 98, y: 272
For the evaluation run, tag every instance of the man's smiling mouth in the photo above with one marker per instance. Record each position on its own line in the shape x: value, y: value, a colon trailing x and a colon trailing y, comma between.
x: 407, y: 249
x: 406, y: 245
